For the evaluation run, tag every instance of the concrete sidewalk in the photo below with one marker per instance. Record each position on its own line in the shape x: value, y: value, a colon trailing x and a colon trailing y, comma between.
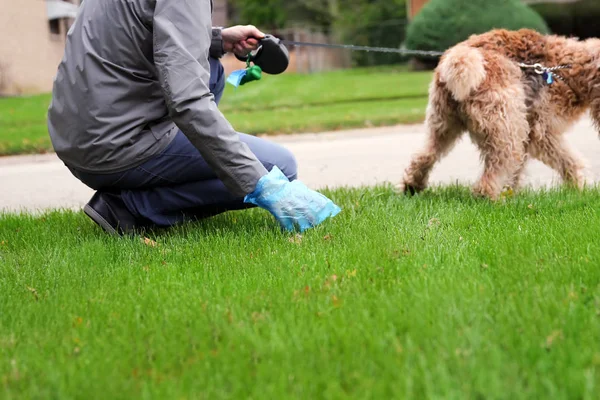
x: 346, y: 158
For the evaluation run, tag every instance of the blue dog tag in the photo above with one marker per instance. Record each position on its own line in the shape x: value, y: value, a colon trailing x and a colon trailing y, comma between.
x: 548, y: 77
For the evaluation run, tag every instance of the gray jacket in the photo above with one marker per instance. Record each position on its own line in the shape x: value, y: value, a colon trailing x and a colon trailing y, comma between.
x: 134, y: 71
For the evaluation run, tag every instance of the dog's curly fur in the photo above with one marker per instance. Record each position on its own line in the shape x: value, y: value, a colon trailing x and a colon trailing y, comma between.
x: 510, y: 112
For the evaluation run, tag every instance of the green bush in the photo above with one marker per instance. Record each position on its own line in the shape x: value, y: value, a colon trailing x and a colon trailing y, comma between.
x: 572, y: 19
x: 379, y: 23
x: 444, y: 23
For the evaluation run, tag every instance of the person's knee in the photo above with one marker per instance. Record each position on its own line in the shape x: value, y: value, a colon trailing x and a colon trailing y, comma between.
x: 287, y: 163
x: 272, y: 154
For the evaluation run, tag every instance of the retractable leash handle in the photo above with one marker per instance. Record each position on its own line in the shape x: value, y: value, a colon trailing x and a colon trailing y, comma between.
x: 271, y: 56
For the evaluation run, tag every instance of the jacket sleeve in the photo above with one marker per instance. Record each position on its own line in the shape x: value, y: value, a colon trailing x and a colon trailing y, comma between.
x: 182, y: 39
x: 216, y: 45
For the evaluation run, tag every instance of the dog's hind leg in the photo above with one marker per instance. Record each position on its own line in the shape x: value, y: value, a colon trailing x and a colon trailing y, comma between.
x: 517, y: 179
x: 555, y: 152
x: 500, y: 129
x: 502, y: 165
x: 443, y: 130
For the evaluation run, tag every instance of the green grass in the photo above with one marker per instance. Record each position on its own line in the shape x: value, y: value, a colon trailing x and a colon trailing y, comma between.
x: 23, y: 126
x: 278, y: 104
x: 436, y: 296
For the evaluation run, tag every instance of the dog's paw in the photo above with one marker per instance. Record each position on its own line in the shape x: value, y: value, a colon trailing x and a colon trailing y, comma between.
x: 579, y: 180
x: 483, y: 192
x: 584, y: 180
x: 404, y: 188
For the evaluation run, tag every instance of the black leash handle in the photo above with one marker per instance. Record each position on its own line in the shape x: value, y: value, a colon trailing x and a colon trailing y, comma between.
x: 271, y: 56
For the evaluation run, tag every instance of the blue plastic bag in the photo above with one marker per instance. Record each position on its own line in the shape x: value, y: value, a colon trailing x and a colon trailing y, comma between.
x: 293, y: 204
x: 235, y: 78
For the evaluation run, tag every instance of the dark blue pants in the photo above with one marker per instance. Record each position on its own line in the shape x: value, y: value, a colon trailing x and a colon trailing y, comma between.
x: 178, y: 183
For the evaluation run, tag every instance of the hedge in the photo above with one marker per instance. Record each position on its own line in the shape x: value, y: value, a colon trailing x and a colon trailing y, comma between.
x: 444, y: 23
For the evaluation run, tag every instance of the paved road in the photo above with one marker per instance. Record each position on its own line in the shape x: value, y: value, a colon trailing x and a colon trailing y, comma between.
x: 348, y: 158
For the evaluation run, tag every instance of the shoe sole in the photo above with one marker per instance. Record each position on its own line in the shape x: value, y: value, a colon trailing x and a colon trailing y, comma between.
x: 97, y: 218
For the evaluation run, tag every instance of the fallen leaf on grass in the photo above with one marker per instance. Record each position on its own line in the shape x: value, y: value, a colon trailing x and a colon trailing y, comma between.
x: 149, y: 242
x: 296, y: 239
x: 329, y: 281
x: 34, y: 292
x: 507, y: 193
x: 258, y: 317
x: 327, y: 237
x: 552, y: 338
x: 335, y: 300
x: 398, y: 347
x: 433, y: 221
x: 301, y: 292
x: 462, y: 352
x: 397, y: 253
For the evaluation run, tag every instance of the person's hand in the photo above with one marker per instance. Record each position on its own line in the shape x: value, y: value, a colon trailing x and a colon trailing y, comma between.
x: 241, y: 39
x: 291, y: 203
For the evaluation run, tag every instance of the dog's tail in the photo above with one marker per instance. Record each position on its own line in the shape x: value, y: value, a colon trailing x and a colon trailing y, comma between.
x: 462, y: 70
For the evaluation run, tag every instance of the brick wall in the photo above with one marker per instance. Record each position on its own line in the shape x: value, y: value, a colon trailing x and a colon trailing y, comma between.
x: 414, y: 6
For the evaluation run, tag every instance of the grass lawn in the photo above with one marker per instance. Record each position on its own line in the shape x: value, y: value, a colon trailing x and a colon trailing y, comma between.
x: 437, y: 296
x: 275, y: 105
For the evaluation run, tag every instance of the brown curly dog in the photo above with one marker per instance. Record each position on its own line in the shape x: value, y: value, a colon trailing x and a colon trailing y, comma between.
x: 510, y: 111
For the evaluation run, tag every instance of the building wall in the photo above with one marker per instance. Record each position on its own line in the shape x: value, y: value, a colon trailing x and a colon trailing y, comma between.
x: 414, y: 6
x: 220, y: 13
x: 29, y: 52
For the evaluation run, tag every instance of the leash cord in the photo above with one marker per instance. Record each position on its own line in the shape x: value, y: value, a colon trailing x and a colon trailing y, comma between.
x: 546, y: 72
x: 365, y: 48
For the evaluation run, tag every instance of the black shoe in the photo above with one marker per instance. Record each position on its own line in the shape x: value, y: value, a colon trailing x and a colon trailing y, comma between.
x: 110, y: 212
